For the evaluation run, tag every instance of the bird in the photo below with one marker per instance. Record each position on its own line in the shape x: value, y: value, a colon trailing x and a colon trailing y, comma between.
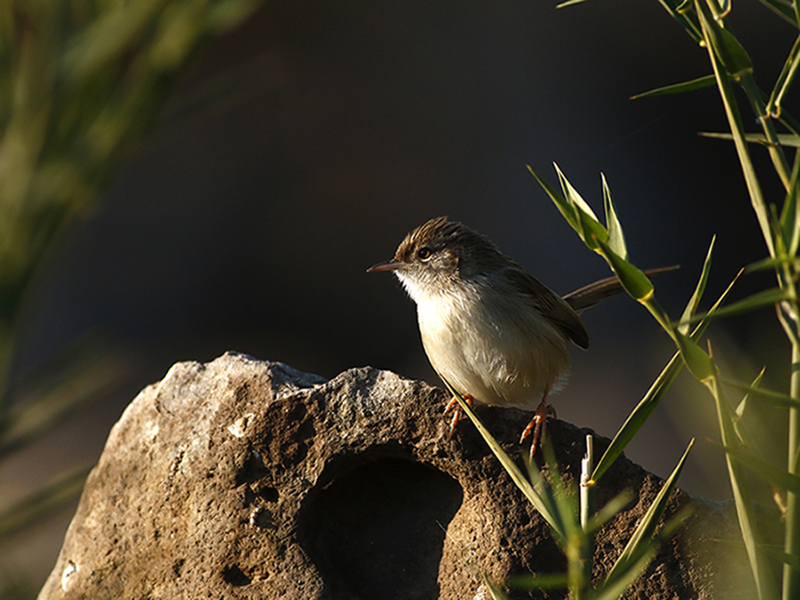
x: 492, y: 331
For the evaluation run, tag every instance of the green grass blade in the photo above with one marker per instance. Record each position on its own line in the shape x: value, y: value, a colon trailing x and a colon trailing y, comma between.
x: 609, y: 511
x: 789, y: 559
x: 776, y: 398
x: 678, y: 88
x: 535, y: 581
x: 616, y: 239
x: 699, y: 290
x: 564, y: 207
x: 541, y: 502
x: 758, y: 300
x: 641, y: 539
x: 589, y: 227
x: 785, y: 139
x: 638, y: 416
x: 769, y: 264
x: 784, y: 80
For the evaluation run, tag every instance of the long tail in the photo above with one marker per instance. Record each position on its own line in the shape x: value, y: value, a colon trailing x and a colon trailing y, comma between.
x: 591, y: 294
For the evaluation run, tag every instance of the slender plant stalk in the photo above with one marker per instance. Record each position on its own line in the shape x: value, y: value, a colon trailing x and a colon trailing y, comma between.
x: 791, y: 577
x: 588, y: 501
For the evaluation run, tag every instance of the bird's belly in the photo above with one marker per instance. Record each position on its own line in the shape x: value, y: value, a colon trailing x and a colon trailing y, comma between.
x: 502, y: 366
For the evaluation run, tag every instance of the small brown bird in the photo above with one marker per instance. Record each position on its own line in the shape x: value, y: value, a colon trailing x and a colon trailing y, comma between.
x: 491, y: 330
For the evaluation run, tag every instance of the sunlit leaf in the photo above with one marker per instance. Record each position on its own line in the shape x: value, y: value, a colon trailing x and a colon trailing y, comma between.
x: 636, y: 283
x: 678, y: 88
x: 616, y: 239
x: 697, y: 295
x: 757, y: 301
x: 785, y: 139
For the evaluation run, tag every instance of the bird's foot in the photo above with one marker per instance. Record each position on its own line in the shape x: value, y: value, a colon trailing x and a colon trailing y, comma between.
x: 538, y: 425
x: 457, y: 411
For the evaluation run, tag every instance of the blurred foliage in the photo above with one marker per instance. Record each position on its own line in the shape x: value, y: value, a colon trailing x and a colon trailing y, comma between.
x: 80, y: 81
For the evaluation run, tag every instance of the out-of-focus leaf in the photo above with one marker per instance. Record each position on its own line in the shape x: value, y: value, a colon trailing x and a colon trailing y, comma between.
x: 770, y: 264
x: 678, y: 88
x: 539, y: 582
x: 41, y: 503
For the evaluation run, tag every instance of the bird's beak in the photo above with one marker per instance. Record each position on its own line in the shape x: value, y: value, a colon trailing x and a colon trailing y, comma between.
x: 389, y: 265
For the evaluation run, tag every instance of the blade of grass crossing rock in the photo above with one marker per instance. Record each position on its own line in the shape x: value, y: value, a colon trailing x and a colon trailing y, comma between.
x: 639, y: 542
x: 540, y: 501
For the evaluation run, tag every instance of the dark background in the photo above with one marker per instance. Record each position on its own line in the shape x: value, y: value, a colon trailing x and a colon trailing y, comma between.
x: 301, y: 148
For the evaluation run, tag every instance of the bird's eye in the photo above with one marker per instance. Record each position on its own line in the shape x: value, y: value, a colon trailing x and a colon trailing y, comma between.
x: 424, y: 253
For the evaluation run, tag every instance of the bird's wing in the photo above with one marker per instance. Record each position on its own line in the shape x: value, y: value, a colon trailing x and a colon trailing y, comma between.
x: 550, y: 305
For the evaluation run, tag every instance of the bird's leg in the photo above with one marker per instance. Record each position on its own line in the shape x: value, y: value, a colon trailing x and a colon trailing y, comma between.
x: 457, y: 411
x: 538, y: 424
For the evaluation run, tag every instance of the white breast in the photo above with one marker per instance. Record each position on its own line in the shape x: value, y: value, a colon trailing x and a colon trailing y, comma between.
x: 504, y: 362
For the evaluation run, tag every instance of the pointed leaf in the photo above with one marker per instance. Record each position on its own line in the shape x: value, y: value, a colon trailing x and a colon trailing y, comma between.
x: 697, y: 295
x: 678, y: 88
x: 784, y: 80
x: 616, y: 239
x: 731, y: 53
x: 785, y: 139
x: 777, y: 262
x: 564, y: 207
x: 776, y: 398
x: 756, y: 301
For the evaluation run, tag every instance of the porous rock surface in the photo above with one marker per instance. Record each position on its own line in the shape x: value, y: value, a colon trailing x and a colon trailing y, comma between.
x: 243, y: 478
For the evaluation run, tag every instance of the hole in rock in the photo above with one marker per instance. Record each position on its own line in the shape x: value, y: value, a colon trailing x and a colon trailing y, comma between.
x: 378, y: 531
x: 235, y: 576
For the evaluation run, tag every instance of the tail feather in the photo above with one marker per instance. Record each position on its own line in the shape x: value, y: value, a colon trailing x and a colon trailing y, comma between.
x: 591, y: 294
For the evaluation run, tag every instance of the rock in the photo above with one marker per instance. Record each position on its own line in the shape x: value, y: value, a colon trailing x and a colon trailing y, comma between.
x: 243, y: 478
